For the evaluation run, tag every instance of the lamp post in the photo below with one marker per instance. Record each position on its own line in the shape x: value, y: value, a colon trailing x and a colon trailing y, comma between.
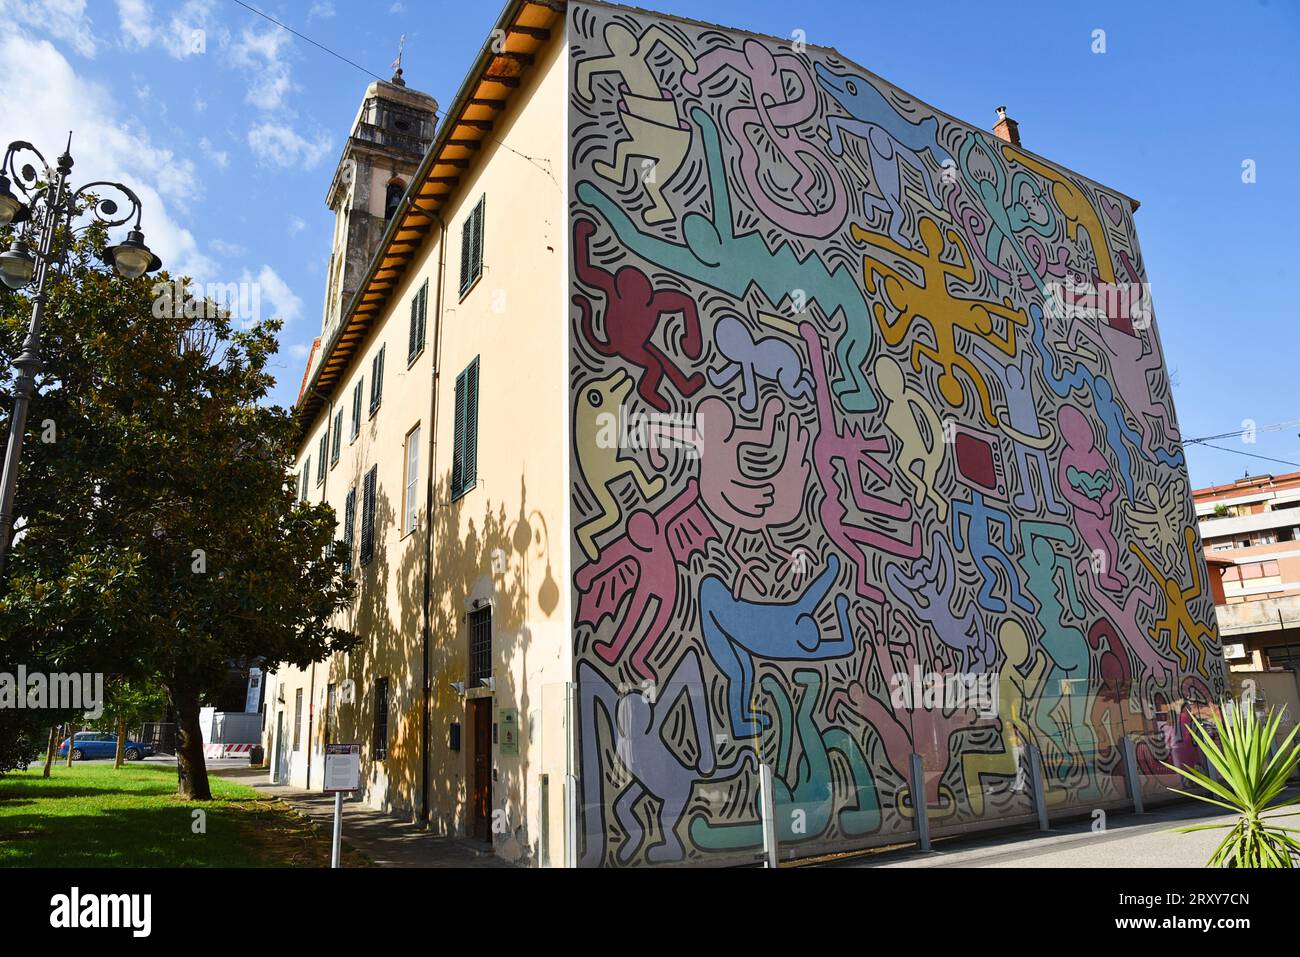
x: 44, y: 214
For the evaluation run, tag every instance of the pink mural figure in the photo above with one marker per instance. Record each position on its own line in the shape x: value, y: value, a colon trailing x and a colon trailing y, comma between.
x: 633, y: 309
x: 640, y: 566
x: 749, y: 503
x: 777, y: 112
x: 1087, y: 483
x: 853, y: 452
x: 648, y: 112
x: 1112, y: 706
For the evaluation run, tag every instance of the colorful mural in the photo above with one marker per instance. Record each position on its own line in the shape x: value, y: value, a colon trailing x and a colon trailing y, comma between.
x: 867, y: 404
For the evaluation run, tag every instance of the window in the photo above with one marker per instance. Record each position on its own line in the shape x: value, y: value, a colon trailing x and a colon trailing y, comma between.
x: 471, y: 247
x: 464, y: 451
x: 320, y: 457
x: 357, y: 393
x: 349, y: 520
x: 331, y: 707
x: 368, y: 516
x: 381, y: 718
x: 410, y: 490
x: 297, y: 721
x: 419, y: 310
x: 377, y: 379
x: 337, y: 444
x: 393, y: 198
x: 306, y: 471
x: 480, y: 645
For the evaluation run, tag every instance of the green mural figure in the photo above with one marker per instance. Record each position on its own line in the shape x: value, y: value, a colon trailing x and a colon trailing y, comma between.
x: 803, y: 796
x: 1066, y: 683
x: 716, y: 255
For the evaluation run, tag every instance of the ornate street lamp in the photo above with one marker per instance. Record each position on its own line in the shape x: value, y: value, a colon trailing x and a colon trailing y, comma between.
x: 44, y: 214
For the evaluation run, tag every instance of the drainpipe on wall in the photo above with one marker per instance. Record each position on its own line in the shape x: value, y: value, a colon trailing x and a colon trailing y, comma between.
x: 324, y: 487
x: 425, y: 638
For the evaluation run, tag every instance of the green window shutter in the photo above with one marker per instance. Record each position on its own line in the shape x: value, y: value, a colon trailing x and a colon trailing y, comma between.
x: 466, y: 246
x: 349, y: 521
x: 458, y: 439
x: 419, y: 305
x: 471, y: 246
x: 377, y: 379
x: 357, y: 392
x: 469, y: 469
x: 478, y: 237
x: 337, y: 443
x: 368, y: 516
x: 320, y: 458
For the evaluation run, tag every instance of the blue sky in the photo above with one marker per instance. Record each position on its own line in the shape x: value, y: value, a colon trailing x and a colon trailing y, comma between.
x: 232, y: 141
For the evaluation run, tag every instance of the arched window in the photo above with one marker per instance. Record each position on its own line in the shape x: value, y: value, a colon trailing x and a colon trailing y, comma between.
x: 393, y: 198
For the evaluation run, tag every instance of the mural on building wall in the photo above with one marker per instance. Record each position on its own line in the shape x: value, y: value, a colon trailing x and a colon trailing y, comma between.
x: 866, y: 403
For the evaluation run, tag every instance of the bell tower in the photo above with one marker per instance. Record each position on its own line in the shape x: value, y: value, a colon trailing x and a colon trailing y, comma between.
x: 392, y: 130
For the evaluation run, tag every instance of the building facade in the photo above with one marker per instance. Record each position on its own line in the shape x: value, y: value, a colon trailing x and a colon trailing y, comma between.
x: 765, y: 417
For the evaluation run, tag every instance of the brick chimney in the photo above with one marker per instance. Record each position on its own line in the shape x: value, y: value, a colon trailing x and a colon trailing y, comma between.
x: 1006, y: 128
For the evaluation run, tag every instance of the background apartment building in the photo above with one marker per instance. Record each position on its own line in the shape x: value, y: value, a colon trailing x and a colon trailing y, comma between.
x: 701, y: 389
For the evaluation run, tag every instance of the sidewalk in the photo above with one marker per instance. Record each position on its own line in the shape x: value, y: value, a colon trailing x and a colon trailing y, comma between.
x: 386, y: 840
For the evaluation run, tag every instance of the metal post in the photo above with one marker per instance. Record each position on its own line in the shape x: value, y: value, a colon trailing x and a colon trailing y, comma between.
x: 338, y: 829
x: 1131, y: 773
x: 570, y: 821
x: 28, y: 363
x: 1039, y: 785
x: 919, y: 808
x: 768, y: 808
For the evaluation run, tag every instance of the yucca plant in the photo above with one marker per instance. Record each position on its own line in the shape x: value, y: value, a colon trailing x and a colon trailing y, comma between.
x: 1250, y: 780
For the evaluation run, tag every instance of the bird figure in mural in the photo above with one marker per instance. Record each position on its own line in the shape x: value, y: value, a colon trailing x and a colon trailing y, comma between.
x: 640, y: 566
x: 745, y: 501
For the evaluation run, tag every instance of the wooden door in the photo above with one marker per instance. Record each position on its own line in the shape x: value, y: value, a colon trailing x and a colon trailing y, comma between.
x: 481, y: 783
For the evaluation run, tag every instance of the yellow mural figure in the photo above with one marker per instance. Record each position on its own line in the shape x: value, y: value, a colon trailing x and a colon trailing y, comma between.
x: 1076, y: 209
x: 1016, y: 735
x: 929, y: 300
x: 649, y: 114
x: 908, y: 410
x: 1178, y: 616
x: 597, y: 437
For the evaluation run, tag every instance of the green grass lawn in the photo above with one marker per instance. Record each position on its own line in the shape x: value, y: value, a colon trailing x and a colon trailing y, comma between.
x: 90, y: 815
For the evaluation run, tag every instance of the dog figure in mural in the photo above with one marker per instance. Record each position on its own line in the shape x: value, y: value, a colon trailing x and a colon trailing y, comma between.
x: 737, y: 631
x: 746, y: 502
x: 600, y: 459
x: 633, y: 309
x: 640, y: 567
x: 804, y: 795
x: 649, y: 113
x: 892, y: 142
x: 752, y: 359
x: 644, y: 765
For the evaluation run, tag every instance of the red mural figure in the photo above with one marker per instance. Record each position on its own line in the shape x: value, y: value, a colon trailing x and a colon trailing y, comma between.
x: 853, y: 451
x: 638, y: 567
x: 633, y: 309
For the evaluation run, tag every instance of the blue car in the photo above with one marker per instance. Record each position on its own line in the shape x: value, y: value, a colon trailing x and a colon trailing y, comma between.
x: 95, y: 744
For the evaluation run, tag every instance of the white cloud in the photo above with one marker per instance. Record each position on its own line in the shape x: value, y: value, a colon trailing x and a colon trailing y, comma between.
x: 62, y: 19
x: 296, y: 225
x: 228, y: 250
x: 220, y: 157
x: 397, y: 7
x: 274, y: 144
x: 185, y: 33
x: 278, y: 300
x: 45, y: 98
x: 263, y: 54
x: 322, y: 9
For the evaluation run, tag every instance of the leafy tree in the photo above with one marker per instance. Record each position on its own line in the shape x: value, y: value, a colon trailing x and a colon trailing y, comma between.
x: 158, y: 532
x: 128, y: 704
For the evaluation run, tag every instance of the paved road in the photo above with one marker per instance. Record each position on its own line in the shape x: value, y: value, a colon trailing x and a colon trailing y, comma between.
x: 1129, y: 840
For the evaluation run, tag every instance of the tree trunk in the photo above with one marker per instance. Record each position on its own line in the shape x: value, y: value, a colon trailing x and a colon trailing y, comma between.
x: 121, y: 743
x: 191, y: 772
x: 50, y: 749
x: 72, y: 739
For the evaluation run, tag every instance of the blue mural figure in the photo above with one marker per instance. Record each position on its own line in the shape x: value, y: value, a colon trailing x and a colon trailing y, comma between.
x: 892, y: 141
x: 1030, y: 437
x: 645, y: 764
x: 1066, y: 682
x: 716, y: 255
x: 929, y: 590
x: 1006, y: 220
x: 736, y: 630
x: 804, y: 794
x: 980, y: 515
x: 1120, y: 435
